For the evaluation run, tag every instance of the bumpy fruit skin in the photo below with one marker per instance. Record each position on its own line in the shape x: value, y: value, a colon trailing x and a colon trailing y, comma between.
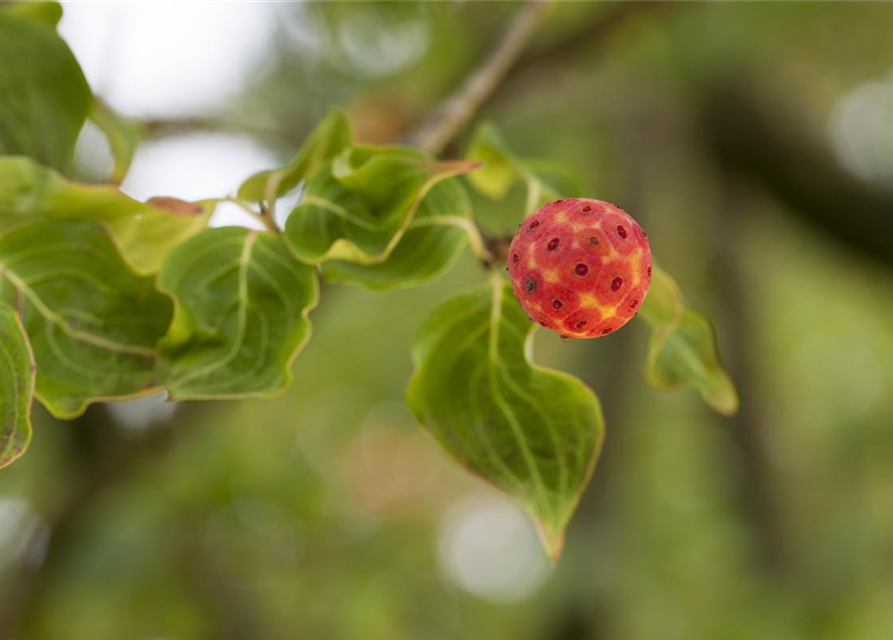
x: 580, y: 267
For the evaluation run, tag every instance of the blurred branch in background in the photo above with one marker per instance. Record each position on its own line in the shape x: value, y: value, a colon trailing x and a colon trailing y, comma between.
x: 761, y: 504
x: 506, y: 71
x: 459, y: 108
x: 537, y: 68
x: 771, y: 149
x: 758, y: 146
x: 169, y: 127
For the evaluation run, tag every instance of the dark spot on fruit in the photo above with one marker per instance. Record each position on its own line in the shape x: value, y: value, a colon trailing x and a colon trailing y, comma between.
x: 581, y: 269
x: 564, y: 338
x: 649, y: 270
x: 553, y: 244
x: 621, y: 231
x: 634, y: 303
x: 543, y: 323
x: 515, y: 258
x: 607, y: 330
x: 580, y: 324
x: 593, y: 240
x: 616, y: 283
x: 533, y: 225
x: 531, y: 285
x: 586, y: 209
x: 557, y: 304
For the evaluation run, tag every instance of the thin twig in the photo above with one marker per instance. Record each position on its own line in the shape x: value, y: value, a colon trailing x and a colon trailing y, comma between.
x: 456, y: 111
x: 540, y: 65
x: 168, y: 127
x: 263, y: 217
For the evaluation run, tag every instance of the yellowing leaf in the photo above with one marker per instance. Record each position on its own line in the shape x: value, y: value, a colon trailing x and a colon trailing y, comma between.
x: 144, y: 232
x: 682, y: 352
x: 501, y: 169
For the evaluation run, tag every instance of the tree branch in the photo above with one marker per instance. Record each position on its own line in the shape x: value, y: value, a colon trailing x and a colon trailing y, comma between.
x: 759, y: 500
x: 168, y: 127
x: 540, y: 65
x: 459, y: 108
x: 759, y: 142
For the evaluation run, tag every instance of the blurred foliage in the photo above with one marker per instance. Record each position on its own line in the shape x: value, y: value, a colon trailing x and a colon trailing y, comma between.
x: 324, y: 513
x: 44, y: 97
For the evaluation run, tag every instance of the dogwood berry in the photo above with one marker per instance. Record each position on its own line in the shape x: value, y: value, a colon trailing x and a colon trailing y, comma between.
x: 580, y: 267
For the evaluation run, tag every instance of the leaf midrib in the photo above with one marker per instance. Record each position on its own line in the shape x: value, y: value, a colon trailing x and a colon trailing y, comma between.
x: 493, y: 370
x: 242, y: 301
x: 98, y: 341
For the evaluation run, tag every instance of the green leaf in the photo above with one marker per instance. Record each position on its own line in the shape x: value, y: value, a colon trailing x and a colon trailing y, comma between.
x: 93, y: 323
x: 145, y: 232
x: 16, y: 386
x: 44, y: 97
x: 501, y: 170
x: 48, y: 13
x: 430, y: 245
x: 124, y: 136
x: 327, y: 140
x: 663, y: 306
x: 358, y: 208
x: 241, y: 314
x: 532, y: 432
x: 682, y: 352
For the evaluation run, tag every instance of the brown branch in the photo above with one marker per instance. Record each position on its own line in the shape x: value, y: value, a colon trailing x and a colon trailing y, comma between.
x: 761, y: 143
x: 168, y: 127
x: 760, y: 504
x: 536, y: 67
x: 458, y: 109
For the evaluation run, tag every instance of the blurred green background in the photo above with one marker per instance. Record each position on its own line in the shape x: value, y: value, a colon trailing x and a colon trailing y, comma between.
x: 754, y: 142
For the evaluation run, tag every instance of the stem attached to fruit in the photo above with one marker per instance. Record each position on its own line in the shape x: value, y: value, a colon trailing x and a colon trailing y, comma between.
x: 476, y: 240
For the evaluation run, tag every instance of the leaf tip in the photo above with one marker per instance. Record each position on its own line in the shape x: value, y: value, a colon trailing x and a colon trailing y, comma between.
x: 552, y: 540
x: 724, y: 399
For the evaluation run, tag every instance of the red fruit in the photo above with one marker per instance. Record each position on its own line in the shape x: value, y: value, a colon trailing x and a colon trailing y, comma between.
x: 580, y: 267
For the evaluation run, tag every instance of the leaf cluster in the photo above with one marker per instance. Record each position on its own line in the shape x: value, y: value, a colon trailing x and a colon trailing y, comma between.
x: 105, y: 298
